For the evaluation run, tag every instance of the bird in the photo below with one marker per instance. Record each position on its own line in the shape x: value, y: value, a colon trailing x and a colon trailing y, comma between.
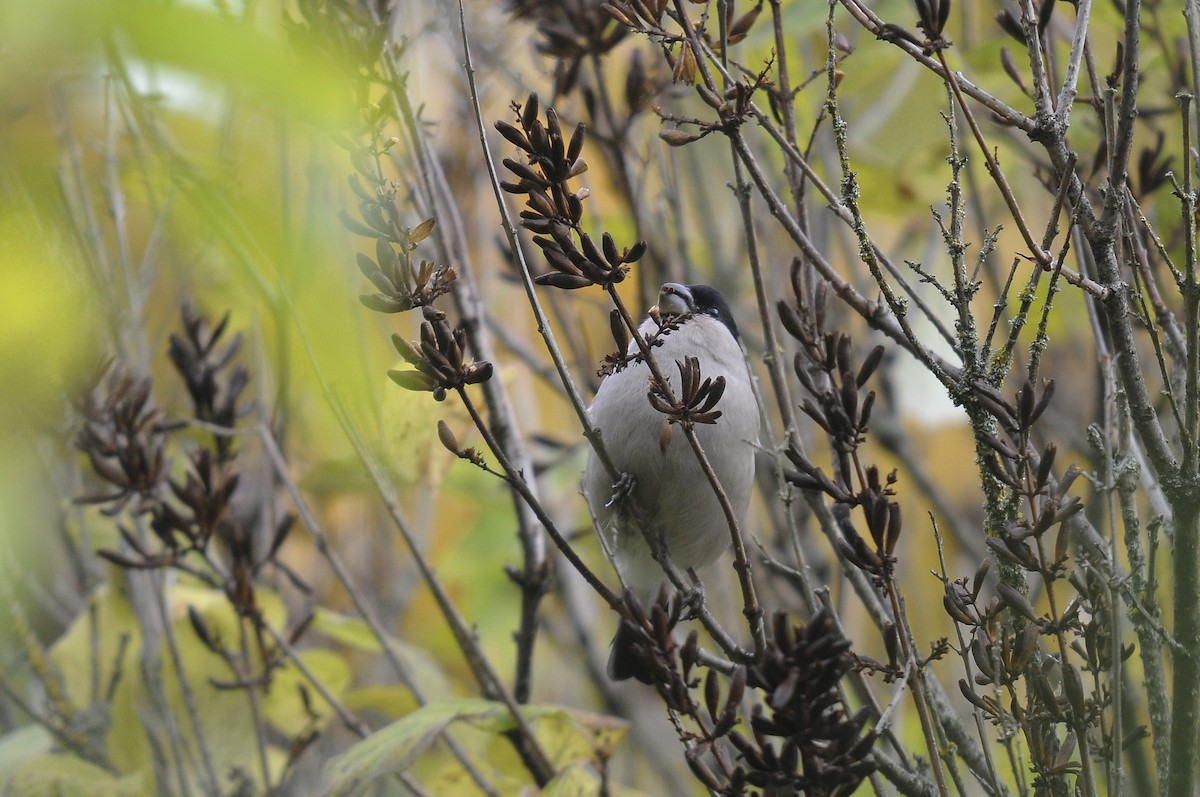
x: 660, y: 478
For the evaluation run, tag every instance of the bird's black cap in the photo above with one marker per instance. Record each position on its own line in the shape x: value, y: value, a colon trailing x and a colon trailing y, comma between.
x: 709, y: 301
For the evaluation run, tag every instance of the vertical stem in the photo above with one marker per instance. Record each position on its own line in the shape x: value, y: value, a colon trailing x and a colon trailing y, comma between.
x: 1185, y: 723
x: 917, y: 684
x: 1066, y: 97
x: 189, y: 700
x: 1111, y: 436
x: 1079, y: 723
x: 533, y: 576
x: 995, y: 785
x: 1191, y: 14
x: 321, y: 542
x: 244, y: 672
x: 1185, y: 719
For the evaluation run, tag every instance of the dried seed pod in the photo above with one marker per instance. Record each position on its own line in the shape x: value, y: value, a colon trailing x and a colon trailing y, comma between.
x: 891, y: 642
x: 634, y: 253
x: 1045, y: 11
x: 893, y: 528
x: 1025, y: 405
x: 981, y: 655
x: 849, y: 396
x: 1011, y: 25
x: 1073, y: 689
x: 842, y: 353
x: 568, y: 282
x: 999, y: 469
x: 712, y: 694
x: 1017, y: 602
x: 685, y: 65
x: 741, y: 26
x: 1061, y: 543
x: 620, y: 332
x: 710, y: 99
x: 421, y: 231
x: 872, y: 361
x: 1012, y: 70
x: 406, y: 350
x: 957, y: 604
x: 447, y: 438
x: 1024, y: 649
x: 980, y: 574
x: 534, y: 222
x: 593, y: 253
x: 725, y: 722
x: 558, y: 148
x: 864, y: 412
x: 1043, y: 400
x: 998, y: 445
x: 540, y: 203
x: 514, y: 136
x: 477, y: 372
x: 970, y: 695
x: 530, y: 113
x: 702, y: 772
x: 737, y: 687
x: 933, y: 15
x: 538, y: 139
x: 791, y: 322
x: 200, y: 627
x: 609, y: 247
x: 282, y: 529
x: 619, y: 15
x: 855, y: 551
x: 689, y: 654
x: 677, y: 138
x: 372, y: 272
x: 575, y: 207
x: 576, y: 146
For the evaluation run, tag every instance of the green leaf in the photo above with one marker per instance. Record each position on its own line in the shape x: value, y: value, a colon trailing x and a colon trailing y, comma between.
x: 388, y: 700
x: 423, y: 669
x: 283, y: 705
x: 391, y: 749
x: 412, y: 380
x: 575, y: 781
x: 56, y: 775
x: 226, y: 724
x: 202, y: 42
x: 569, y: 737
x: 18, y: 746
x: 582, y: 780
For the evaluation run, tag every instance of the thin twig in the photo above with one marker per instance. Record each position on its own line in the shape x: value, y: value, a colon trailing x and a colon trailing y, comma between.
x: 245, y: 677
x: 533, y: 575
x: 1066, y: 97
x: 321, y: 541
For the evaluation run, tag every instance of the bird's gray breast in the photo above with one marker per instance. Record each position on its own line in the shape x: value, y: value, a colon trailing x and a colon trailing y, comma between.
x: 671, y: 489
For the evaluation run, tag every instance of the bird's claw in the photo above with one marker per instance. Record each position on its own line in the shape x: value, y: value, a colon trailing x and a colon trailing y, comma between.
x: 622, y: 490
x: 693, y: 602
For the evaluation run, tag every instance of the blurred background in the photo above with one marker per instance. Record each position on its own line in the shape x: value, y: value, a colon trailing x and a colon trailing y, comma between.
x: 157, y: 155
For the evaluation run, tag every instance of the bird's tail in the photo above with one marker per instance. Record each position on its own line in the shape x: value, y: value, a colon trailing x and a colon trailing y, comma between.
x: 630, y: 656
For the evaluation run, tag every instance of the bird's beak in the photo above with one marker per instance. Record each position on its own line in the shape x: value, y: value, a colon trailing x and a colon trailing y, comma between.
x: 675, y: 299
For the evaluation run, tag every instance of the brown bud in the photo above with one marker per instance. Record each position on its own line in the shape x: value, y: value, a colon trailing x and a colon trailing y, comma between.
x: 677, y: 138
x: 449, y: 441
